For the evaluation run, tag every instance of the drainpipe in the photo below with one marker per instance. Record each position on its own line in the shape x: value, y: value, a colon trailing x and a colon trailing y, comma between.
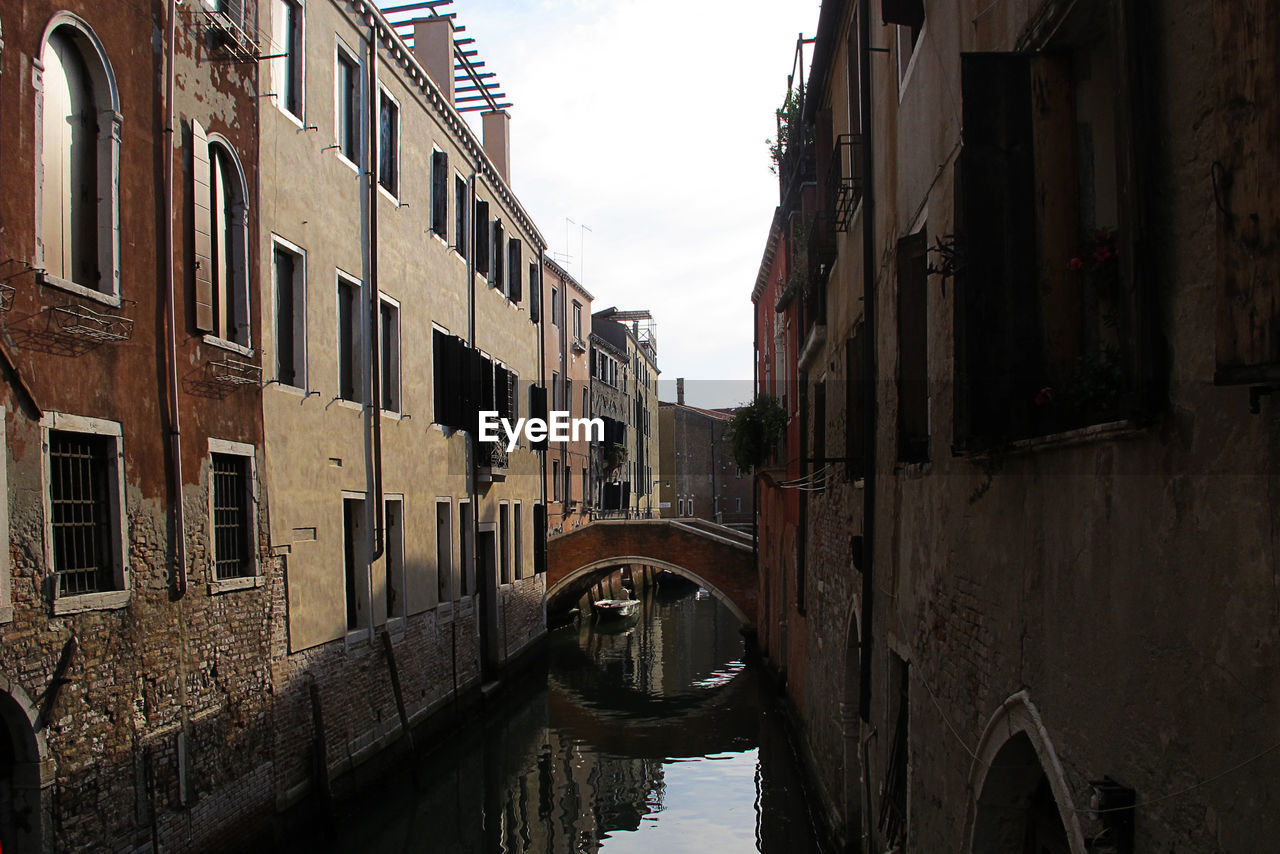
x: 375, y: 373
x: 175, y: 419
x: 866, y: 642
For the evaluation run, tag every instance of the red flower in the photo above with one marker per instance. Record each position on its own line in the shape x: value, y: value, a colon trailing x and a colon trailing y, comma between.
x: 1075, y: 264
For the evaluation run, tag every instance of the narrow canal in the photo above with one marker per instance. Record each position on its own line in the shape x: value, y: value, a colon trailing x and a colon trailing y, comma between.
x: 651, y: 734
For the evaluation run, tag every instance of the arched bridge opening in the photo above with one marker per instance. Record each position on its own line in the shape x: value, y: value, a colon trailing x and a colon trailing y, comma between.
x: 714, y: 557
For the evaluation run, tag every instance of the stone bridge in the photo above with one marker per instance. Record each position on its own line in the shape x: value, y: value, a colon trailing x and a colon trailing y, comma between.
x: 716, y: 557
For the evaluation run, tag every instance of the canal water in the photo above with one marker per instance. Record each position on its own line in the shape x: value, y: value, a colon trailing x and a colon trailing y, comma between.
x: 651, y: 734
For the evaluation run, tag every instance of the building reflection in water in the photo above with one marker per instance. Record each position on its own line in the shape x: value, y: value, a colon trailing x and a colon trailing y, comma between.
x: 645, y: 735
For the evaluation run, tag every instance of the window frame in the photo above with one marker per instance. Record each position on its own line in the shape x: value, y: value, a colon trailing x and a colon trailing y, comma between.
x: 517, y: 540
x: 461, y: 208
x: 117, y: 512
x: 394, y: 622
x: 301, y: 350
x: 504, y: 542
x: 253, y: 578
x: 359, y: 373
x: 440, y: 173
x: 294, y: 84
x: 362, y: 571
x: 445, y: 584
x: 385, y: 301
x: 393, y: 192
x: 341, y: 53
x: 238, y: 287
x: 107, y: 153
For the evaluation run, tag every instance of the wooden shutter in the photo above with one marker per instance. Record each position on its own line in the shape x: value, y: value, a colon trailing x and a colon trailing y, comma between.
x: 499, y: 248
x: 535, y: 294
x: 440, y: 193
x: 482, y: 237
x: 538, y: 409
x: 997, y: 338
x: 1245, y: 178
x: 908, y: 13
x: 202, y: 236
x: 439, y: 374
x: 515, y: 288
x: 913, y: 349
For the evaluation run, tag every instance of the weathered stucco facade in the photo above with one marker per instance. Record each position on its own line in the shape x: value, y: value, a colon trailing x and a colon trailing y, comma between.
x: 447, y: 571
x: 566, y: 337
x: 1064, y: 587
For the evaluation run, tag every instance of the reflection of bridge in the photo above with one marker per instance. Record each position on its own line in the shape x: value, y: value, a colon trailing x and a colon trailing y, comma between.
x: 718, y: 558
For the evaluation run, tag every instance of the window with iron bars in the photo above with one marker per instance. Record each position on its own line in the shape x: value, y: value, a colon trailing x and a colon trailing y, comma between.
x: 84, y: 552
x: 232, y: 533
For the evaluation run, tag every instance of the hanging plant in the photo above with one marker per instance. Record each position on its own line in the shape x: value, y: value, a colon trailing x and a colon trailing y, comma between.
x: 755, y: 430
x: 788, y: 127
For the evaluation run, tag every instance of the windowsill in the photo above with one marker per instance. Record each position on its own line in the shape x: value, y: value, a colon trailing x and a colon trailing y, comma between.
x: 110, y: 600
x: 393, y: 414
x: 1123, y: 429
x: 388, y: 195
x: 342, y: 158
x: 444, y: 241
x: 444, y: 612
x: 6, y: 613
x: 296, y: 391
x: 230, y: 585
x: 914, y: 469
x: 80, y: 290
x: 351, y: 404
x: 357, y: 636
x: 395, y: 626
x: 224, y: 344
x: 284, y: 111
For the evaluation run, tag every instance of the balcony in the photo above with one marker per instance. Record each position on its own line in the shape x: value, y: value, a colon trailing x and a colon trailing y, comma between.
x: 494, y: 462
x: 844, y: 180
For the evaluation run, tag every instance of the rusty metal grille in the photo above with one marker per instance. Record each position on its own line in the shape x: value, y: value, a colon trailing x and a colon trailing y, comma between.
x: 80, y: 502
x: 231, y: 516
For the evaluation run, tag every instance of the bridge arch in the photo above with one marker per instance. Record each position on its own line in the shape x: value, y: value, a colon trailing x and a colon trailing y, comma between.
x: 717, y: 558
x: 605, y: 565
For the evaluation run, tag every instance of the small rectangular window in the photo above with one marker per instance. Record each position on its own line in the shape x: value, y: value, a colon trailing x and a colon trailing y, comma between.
x: 539, y: 539
x: 440, y: 193
x: 83, y: 520
x: 350, y: 386
x: 555, y: 306
x: 347, y: 108
x: 444, y: 550
x: 515, y: 287
x: 393, y: 560
x: 389, y: 144
x: 535, y: 294
x: 232, y: 521
x: 389, y: 353
x: 289, y: 269
x: 577, y: 320
x: 555, y: 480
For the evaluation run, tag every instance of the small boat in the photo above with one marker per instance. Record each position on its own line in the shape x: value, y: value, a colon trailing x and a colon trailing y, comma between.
x: 613, y: 609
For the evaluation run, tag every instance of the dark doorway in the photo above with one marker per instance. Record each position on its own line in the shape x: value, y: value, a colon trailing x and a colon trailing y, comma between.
x: 1017, y: 813
x: 19, y: 781
x: 487, y: 583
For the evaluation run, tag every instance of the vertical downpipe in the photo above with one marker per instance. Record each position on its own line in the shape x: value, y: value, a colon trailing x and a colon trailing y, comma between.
x: 870, y: 406
x: 175, y: 419
x: 375, y: 373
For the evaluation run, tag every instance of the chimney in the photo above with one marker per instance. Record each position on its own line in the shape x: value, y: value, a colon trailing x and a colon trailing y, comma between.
x: 680, y: 391
x: 497, y: 140
x: 433, y: 46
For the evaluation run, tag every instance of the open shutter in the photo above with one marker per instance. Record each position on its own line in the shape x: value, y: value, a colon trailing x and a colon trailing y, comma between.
x: 997, y: 349
x: 203, y: 227
x: 499, y: 248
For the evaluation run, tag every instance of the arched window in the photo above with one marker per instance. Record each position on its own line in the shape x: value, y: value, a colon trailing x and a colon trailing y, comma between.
x: 78, y: 179
x: 221, y: 239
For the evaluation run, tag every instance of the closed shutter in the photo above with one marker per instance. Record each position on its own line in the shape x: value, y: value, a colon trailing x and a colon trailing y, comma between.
x: 440, y: 193
x: 482, y: 237
x: 997, y: 346
x: 538, y: 409
x: 499, y: 249
x: 203, y: 227
x: 535, y: 295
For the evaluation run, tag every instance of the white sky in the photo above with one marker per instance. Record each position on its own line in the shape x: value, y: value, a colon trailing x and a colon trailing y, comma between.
x: 646, y: 122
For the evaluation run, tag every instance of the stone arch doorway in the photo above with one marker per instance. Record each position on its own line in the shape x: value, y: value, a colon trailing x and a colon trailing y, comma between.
x: 1022, y: 804
x: 20, y: 782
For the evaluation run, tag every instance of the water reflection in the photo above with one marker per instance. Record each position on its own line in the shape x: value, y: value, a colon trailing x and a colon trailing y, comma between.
x: 644, y: 735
